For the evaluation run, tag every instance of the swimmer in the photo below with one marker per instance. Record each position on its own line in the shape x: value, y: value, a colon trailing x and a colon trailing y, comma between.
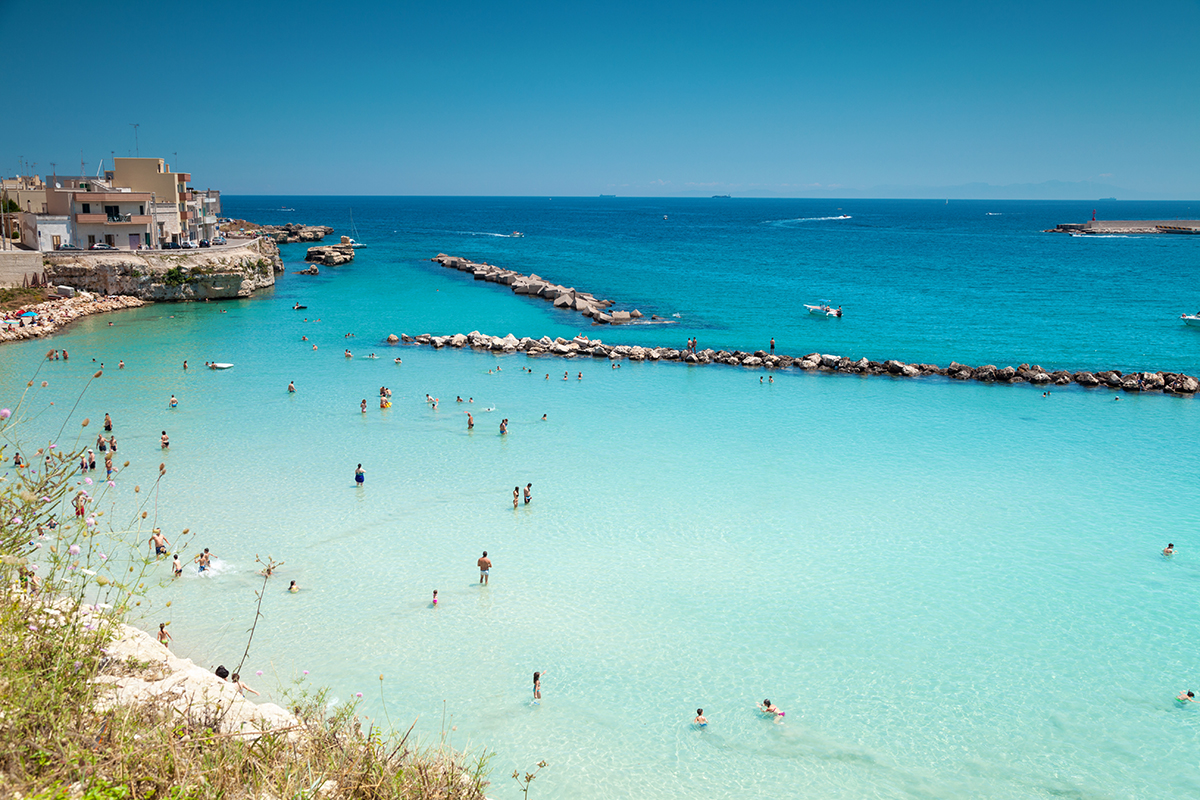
x: 176, y: 566
x: 360, y: 475
x: 164, y: 638
x: 107, y: 423
x: 566, y: 375
x: 204, y: 560
x: 242, y: 688
x: 470, y: 399
x: 159, y: 542
x: 293, y: 588
x: 760, y: 380
x: 291, y: 387
x: 166, y: 442
x: 398, y: 361
x: 121, y: 364
x: 767, y: 707
x: 458, y: 398
x: 1169, y: 550
x: 91, y: 459
x: 435, y: 598
x: 499, y: 369
x: 700, y: 719
x: 504, y: 426
x: 771, y: 379
x: 547, y: 376
x: 1186, y: 697
x: 516, y: 495
x: 304, y: 338
x: 185, y: 363
x: 348, y: 354
x: 173, y: 402
x: 537, y: 684
x: 543, y: 417
x: 580, y: 376
x: 470, y: 420
x: 528, y: 493
x: 314, y: 347
x: 363, y: 405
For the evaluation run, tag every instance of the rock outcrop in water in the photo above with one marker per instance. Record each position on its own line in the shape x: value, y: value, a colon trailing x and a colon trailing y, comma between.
x: 565, y: 297
x: 583, y: 347
x: 331, y: 255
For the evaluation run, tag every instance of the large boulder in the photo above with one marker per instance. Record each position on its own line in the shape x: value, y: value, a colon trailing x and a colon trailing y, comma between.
x: 392, y: 338
x: 620, y: 316
x: 1086, y: 379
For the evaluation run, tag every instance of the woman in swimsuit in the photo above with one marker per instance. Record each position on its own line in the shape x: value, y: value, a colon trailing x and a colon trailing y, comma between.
x: 164, y: 638
x: 767, y: 707
x: 360, y: 475
x: 537, y: 684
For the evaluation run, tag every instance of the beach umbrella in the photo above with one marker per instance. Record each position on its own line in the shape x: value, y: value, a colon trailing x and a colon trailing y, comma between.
x: 29, y: 314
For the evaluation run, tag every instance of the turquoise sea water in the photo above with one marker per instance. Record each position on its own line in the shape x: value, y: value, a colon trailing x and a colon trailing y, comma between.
x: 952, y: 589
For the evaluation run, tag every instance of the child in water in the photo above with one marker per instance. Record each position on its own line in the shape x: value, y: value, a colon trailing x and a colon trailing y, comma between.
x: 767, y: 707
x: 164, y: 638
x: 700, y: 719
x: 435, y: 598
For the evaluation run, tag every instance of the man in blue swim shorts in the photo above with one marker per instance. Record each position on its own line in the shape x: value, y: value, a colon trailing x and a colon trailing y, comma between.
x: 159, y: 542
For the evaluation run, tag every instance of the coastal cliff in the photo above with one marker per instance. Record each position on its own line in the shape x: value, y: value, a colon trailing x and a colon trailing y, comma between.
x: 209, y: 274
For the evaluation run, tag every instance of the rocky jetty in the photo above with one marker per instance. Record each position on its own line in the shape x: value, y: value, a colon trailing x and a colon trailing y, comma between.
x: 565, y: 297
x: 290, y: 233
x: 1098, y: 227
x: 331, y: 255
x: 209, y: 274
x: 310, y: 271
x: 583, y: 347
x: 55, y: 314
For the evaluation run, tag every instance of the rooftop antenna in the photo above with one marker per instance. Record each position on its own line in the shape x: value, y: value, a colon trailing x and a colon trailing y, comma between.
x: 54, y: 169
x: 137, y: 149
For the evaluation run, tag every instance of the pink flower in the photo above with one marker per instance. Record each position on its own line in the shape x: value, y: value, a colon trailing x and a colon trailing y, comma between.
x: 358, y: 694
x: 91, y: 521
x: 88, y: 481
x: 305, y: 672
x: 103, y: 557
x: 73, y: 549
x: 53, y: 446
x: 259, y: 673
x: 5, y: 413
x: 16, y: 520
x: 111, y: 484
x: 45, y: 499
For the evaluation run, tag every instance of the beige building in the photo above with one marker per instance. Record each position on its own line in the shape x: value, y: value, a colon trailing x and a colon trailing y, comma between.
x: 173, y: 219
x: 27, y: 191
x: 97, y: 212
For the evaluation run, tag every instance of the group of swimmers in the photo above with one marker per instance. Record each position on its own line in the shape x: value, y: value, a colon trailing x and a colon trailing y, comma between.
x: 1184, y: 696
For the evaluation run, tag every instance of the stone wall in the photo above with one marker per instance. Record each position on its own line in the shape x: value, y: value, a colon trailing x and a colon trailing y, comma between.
x: 209, y: 274
x: 18, y: 266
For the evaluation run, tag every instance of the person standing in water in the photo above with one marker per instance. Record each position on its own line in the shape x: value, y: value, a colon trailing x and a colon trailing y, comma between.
x: 504, y: 426
x: 516, y: 495
x: 772, y: 345
x: 164, y: 638
x: 159, y: 542
x: 293, y: 588
x: 166, y: 442
x: 485, y: 567
x: 1169, y: 550
x: 291, y: 387
x: 108, y: 423
x: 359, y: 474
x: 470, y: 420
x: 435, y: 598
x: 176, y: 566
x: 363, y: 405
x: 700, y: 718
x: 528, y: 493
x: 537, y: 684
x: 173, y: 402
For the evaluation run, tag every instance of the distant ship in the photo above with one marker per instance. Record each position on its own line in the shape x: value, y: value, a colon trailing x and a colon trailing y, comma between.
x: 721, y: 197
x: 1102, y: 199
x: 608, y: 195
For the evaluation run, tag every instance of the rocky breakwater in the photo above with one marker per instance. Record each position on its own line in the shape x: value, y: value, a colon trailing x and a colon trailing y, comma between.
x: 55, y: 314
x: 210, y: 274
x: 564, y: 297
x: 290, y: 233
x: 331, y: 255
x: 582, y: 346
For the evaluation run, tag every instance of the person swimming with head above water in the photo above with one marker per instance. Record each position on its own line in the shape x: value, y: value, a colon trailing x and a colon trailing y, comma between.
x: 700, y: 719
x: 767, y: 707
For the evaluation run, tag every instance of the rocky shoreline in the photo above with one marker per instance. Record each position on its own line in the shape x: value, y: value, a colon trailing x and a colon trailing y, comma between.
x: 138, y: 670
x: 291, y: 233
x: 582, y: 347
x: 535, y: 286
x: 57, y: 314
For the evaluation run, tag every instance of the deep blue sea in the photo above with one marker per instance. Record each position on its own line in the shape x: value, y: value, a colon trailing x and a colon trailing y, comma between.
x: 951, y: 589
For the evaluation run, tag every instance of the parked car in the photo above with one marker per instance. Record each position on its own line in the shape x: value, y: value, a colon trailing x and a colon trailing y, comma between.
x: 67, y: 247
x: 171, y: 246
x: 205, y: 243
x: 102, y: 246
x: 190, y: 245
x: 219, y: 240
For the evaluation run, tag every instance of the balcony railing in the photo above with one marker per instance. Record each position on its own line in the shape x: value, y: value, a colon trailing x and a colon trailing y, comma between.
x: 120, y: 217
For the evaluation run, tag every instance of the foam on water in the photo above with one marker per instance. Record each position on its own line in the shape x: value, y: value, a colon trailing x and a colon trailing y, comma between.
x: 951, y: 589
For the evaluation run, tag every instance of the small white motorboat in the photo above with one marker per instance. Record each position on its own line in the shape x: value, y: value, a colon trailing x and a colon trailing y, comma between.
x: 1191, y: 319
x: 825, y: 309
x: 516, y: 235
x: 216, y: 365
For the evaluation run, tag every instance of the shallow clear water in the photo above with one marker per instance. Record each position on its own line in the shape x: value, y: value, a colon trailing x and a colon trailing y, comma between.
x: 951, y: 589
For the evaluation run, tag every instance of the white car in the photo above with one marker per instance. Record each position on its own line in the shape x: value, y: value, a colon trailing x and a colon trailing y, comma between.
x: 190, y: 245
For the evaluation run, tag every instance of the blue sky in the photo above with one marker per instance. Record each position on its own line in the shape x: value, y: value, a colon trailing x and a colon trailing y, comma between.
x: 629, y: 98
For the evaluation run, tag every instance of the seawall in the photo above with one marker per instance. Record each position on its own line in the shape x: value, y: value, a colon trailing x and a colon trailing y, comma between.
x: 1127, y: 226
x: 218, y: 273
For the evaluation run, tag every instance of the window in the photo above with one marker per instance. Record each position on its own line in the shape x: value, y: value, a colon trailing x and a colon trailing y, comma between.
x: 57, y: 241
x: 108, y: 237
x: 91, y: 239
x: 87, y: 208
x: 141, y: 210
